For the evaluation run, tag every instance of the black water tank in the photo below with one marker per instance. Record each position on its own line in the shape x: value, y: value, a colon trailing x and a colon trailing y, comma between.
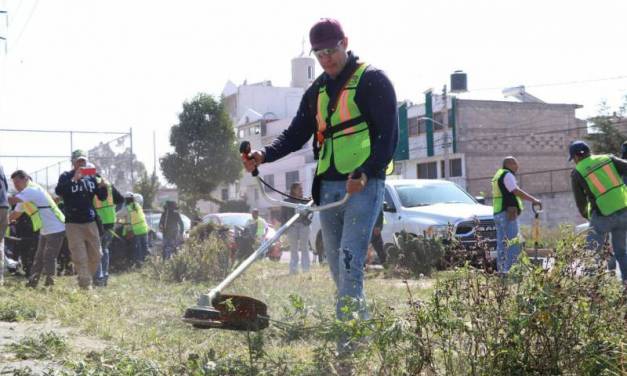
x: 459, y: 82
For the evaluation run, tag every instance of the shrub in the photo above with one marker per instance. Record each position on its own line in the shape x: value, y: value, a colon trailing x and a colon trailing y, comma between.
x: 414, y: 256
x: 197, y: 261
x: 566, y: 320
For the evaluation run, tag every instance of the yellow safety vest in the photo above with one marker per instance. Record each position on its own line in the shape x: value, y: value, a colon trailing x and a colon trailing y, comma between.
x: 105, y: 209
x: 604, y: 182
x: 497, y: 194
x: 343, y: 133
x: 32, y: 210
x: 137, y: 218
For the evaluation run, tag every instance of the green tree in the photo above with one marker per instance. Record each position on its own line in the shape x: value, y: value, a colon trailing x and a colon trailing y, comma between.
x: 205, y: 151
x: 607, y: 135
x: 235, y: 206
x: 147, y: 186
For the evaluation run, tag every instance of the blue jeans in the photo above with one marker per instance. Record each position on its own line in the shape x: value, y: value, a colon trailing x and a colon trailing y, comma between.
x: 507, y: 245
x: 140, y: 250
x: 298, y: 237
x: 615, y: 224
x: 346, y: 233
x: 103, y: 268
x: 169, y: 246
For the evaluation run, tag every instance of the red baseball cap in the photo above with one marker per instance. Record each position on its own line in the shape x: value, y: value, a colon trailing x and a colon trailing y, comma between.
x: 326, y: 33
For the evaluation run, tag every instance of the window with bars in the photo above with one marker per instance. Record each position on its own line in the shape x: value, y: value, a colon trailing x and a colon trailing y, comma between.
x: 427, y: 170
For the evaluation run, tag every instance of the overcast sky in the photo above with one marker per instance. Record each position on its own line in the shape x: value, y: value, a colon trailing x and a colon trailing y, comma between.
x: 113, y: 65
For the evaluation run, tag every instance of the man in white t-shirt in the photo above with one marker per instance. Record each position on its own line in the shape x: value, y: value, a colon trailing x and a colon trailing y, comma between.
x: 507, y: 199
x: 46, y: 217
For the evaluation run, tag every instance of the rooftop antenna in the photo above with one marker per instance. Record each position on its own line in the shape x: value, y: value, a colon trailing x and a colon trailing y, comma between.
x: 302, y: 51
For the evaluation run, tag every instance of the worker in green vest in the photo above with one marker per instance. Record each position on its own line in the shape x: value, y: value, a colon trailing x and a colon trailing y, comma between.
x: 105, y: 210
x: 351, y: 112
x: 507, y: 203
x: 598, y: 185
x: 257, y: 225
x: 132, y: 215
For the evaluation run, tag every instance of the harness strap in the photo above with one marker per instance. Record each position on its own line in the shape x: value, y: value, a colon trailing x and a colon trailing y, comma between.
x: 330, y: 131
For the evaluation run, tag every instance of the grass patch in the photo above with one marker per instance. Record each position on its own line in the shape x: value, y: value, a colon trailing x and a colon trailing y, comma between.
x: 46, y: 345
x: 458, y: 322
x: 142, y: 316
x: 113, y: 363
x: 16, y: 310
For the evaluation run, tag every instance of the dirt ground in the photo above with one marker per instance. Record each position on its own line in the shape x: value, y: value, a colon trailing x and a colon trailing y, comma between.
x: 11, y: 332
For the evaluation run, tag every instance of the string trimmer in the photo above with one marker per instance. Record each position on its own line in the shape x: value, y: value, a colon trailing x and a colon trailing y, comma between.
x: 236, y: 312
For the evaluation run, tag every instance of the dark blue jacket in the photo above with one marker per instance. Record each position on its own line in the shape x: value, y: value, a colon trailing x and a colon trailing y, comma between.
x: 78, y: 197
x: 376, y: 100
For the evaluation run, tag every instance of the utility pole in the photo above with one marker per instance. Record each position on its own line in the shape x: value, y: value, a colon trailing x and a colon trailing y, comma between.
x: 4, y: 37
x: 445, y: 140
x: 131, y: 158
x: 154, y: 153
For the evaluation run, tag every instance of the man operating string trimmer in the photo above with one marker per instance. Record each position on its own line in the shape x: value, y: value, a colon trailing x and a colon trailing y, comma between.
x: 351, y: 111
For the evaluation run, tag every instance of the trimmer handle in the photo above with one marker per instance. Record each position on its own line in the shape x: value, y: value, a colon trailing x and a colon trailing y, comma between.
x: 244, y: 149
x: 537, y: 209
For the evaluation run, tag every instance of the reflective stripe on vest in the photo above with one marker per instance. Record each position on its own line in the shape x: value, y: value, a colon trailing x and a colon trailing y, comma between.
x: 497, y: 195
x: 105, y: 209
x: 349, y: 147
x: 33, y: 212
x: 51, y: 205
x: 604, y: 182
x: 138, y: 220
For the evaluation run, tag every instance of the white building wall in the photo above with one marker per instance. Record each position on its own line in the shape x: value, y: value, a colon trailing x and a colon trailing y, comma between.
x: 282, y: 101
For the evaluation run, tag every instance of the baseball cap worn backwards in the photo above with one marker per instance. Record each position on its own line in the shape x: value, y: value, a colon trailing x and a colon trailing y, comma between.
x: 326, y: 33
x: 578, y: 148
x: 78, y: 154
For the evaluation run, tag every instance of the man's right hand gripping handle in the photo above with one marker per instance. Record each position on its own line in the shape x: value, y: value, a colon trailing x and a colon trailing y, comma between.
x: 251, y: 158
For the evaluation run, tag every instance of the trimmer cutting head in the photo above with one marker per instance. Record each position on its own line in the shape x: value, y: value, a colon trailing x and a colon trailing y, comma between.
x: 233, y: 312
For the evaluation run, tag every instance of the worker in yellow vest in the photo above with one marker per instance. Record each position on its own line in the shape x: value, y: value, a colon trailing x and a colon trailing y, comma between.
x: 507, y: 203
x: 46, y: 218
x: 132, y: 215
x: 601, y: 197
x: 351, y: 112
x: 105, y: 210
x: 257, y: 225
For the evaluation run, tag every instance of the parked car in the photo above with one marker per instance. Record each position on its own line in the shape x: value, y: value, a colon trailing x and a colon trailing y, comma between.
x: 236, y: 222
x: 432, y: 208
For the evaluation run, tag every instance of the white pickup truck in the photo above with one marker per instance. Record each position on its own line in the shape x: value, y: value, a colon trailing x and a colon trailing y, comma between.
x: 424, y: 206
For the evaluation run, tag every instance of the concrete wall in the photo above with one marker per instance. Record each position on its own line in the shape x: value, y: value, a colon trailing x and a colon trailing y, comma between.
x: 535, y: 133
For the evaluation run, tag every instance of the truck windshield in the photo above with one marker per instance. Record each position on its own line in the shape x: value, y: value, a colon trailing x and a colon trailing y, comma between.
x: 423, y: 195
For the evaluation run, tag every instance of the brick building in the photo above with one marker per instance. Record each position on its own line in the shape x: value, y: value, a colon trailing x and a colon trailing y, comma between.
x: 481, y: 133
